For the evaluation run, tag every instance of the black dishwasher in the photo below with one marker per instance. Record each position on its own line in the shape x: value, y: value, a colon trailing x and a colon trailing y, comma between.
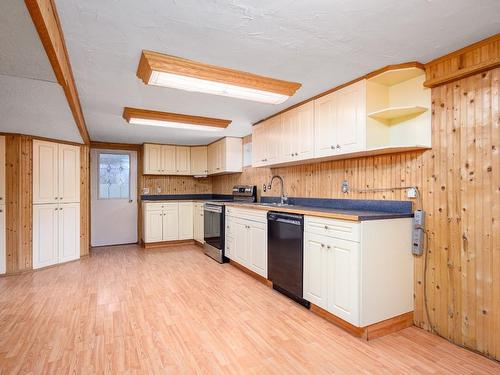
x: 285, y: 254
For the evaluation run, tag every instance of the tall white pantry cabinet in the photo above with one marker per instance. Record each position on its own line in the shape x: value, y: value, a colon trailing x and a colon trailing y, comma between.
x: 56, y: 203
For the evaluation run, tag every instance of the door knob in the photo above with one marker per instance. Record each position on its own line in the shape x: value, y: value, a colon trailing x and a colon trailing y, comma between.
x: 130, y: 200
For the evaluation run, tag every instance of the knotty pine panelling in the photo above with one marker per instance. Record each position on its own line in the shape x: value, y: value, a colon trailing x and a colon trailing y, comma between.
x: 84, y: 200
x: 459, y: 180
x: 19, y: 198
x: 175, y: 184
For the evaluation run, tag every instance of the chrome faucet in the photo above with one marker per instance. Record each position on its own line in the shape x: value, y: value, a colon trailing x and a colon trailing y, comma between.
x: 283, y: 197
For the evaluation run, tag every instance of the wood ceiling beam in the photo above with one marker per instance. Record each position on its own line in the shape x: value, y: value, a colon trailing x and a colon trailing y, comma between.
x: 46, y: 21
x: 129, y: 113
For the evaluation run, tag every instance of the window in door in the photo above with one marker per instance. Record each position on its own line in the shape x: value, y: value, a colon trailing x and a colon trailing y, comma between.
x: 114, y: 176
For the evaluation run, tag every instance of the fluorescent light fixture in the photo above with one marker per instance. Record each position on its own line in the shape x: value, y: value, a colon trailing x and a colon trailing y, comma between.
x: 216, y: 88
x: 170, y: 124
x: 175, y: 72
x: 147, y: 117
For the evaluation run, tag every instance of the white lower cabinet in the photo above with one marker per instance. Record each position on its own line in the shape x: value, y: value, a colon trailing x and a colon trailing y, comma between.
x: 353, y: 271
x: 186, y: 220
x: 56, y: 233
x: 246, y: 239
x: 198, y: 222
x: 3, y: 252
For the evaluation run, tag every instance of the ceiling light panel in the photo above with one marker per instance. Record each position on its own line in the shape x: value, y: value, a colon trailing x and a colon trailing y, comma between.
x: 174, y: 72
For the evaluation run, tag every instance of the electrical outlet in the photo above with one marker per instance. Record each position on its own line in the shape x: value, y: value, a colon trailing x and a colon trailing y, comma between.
x: 345, y: 186
x: 158, y: 190
x: 411, y: 192
x: 418, y: 232
x: 145, y: 191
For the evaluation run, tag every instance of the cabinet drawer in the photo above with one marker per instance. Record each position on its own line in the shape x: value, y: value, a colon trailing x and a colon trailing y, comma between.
x: 344, y: 230
x: 247, y: 214
x: 160, y: 206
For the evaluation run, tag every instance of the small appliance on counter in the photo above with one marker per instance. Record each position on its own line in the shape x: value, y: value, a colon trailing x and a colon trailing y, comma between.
x: 214, y: 220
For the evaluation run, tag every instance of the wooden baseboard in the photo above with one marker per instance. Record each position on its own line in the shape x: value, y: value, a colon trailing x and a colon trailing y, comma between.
x: 256, y: 276
x: 198, y: 243
x: 156, y: 245
x: 370, y: 332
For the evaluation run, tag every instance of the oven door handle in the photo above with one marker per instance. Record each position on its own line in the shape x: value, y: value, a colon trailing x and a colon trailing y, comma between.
x: 217, y: 210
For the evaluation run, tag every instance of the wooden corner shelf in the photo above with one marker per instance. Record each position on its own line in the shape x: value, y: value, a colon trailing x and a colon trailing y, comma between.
x: 395, y: 76
x: 393, y: 115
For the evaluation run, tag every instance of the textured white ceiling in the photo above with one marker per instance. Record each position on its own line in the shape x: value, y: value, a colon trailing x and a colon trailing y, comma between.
x: 318, y: 43
x: 31, y: 100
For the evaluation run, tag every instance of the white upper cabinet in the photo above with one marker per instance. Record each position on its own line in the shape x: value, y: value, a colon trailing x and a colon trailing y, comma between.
x: 56, y: 173
x: 199, y: 166
x: 2, y: 170
x: 382, y: 114
x: 223, y: 156
x: 69, y: 173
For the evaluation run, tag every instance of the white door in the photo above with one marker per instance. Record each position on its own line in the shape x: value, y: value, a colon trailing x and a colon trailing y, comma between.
x: 171, y: 222
x: 343, y: 279
x: 113, y: 197
x: 315, y: 268
x: 240, y: 229
x: 69, y: 232
x: 303, y: 137
x: 185, y: 220
x: 45, y: 234
x: 257, y: 243
x: 69, y: 174
x: 3, y: 259
x: 45, y: 172
x: 183, y: 160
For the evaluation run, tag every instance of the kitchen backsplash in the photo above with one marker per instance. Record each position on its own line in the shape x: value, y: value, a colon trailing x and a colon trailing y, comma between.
x: 160, y: 185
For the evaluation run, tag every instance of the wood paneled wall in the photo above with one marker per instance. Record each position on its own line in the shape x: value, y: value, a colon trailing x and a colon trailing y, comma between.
x: 459, y: 180
x: 19, y: 198
x: 19, y: 202
x: 175, y: 184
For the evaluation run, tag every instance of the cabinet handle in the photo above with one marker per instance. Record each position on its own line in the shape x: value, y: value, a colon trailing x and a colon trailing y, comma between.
x: 332, y: 147
x: 328, y: 247
x: 322, y: 245
x: 1, y: 210
x: 338, y: 146
x: 1, y: 198
x: 55, y: 209
x: 326, y: 226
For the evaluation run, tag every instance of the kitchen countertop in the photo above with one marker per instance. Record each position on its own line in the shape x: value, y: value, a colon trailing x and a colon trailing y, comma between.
x: 331, y: 213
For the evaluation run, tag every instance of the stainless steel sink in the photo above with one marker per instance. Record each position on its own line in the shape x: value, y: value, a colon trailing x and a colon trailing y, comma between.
x: 274, y: 204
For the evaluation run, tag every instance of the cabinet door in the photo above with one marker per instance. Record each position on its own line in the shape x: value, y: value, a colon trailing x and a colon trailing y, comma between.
x: 2, y: 170
x: 45, y: 172
x: 45, y: 236
x: 343, y: 279
x: 257, y: 243
x: 69, y: 232
x: 171, y: 222
x: 229, y: 238
x: 351, y: 118
x: 220, y: 156
x: 183, y: 160
x: 325, y: 125
x: 168, y: 157
x: 289, y: 133
x: 274, y: 141
x: 199, y: 223
x: 153, y: 226
x: 152, y: 155
x: 69, y: 174
x: 241, y: 253
x: 199, y: 161
x: 258, y: 144
x: 185, y: 220
x: 315, y: 270
x: 303, y: 136
x: 3, y: 252
x: 211, y: 155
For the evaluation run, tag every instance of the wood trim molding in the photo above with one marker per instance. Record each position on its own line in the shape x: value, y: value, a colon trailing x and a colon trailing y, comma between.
x: 372, y: 331
x: 46, y: 21
x: 153, y: 61
x: 115, y: 146
x: 129, y: 113
x: 157, y: 245
x: 475, y: 58
x: 411, y: 64
x: 250, y: 273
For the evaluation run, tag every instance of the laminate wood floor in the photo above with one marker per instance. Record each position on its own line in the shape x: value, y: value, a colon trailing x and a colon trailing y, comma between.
x: 176, y: 311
